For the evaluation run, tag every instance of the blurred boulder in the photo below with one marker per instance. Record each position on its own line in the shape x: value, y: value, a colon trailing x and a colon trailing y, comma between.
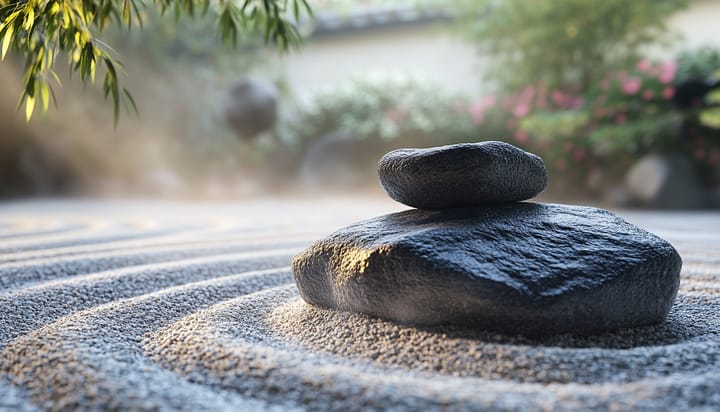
x: 251, y: 108
x: 666, y: 181
x: 339, y: 160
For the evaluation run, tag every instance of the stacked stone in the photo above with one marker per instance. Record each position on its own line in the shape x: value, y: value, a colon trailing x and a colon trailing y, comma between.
x: 474, y: 254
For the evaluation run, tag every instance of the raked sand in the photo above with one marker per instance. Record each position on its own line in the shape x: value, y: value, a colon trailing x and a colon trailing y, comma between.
x: 178, y: 306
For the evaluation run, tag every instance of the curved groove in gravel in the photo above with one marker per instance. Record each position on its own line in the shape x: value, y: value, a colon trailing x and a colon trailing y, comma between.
x: 19, y: 274
x: 171, y: 243
x: 243, y: 351
x: 687, y: 342
x: 93, y: 359
x: 192, y: 307
x: 34, y: 306
x: 22, y: 230
x: 91, y: 237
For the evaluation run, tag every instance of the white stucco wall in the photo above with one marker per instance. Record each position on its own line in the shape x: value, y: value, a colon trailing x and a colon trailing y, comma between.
x: 427, y: 49
x: 699, y: 24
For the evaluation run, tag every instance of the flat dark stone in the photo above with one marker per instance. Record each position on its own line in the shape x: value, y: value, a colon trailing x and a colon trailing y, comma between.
x: 466, y: 174
x: 525, y: 268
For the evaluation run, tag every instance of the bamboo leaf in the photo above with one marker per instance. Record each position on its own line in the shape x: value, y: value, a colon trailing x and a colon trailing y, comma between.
x: 29, y: 107
x: 126, y: 14
x: 129, y: 101
x: 44, y: 96
x: 7, y: 39
x: 308, y: 9
x: 29, y: 19
x: 40, y: 30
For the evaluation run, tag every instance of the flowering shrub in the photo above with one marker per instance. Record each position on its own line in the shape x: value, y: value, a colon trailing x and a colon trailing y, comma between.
x: 380, y: 107
x: 627, y: 114
x: 579, y: 132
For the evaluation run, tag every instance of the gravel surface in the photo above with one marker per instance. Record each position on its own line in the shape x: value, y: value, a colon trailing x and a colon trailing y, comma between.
x: 147, y: 306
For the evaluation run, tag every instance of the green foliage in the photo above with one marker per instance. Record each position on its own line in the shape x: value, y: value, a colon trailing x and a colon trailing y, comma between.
x: 546, y: 125
x: 562, y: 42
x: 711, y: 117
x: 703, y: 64
x: 41, y: 29
x: 635, y: 137
x: 193, y: 41
x: 626, y: 114
x: 382, y: 107
x: 698, y: 63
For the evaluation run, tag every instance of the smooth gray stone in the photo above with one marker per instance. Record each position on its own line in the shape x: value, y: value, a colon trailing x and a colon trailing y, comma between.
x: 252, y: 107
x: 466, y: 174
x: 524, y: 268
x: 667, y: 181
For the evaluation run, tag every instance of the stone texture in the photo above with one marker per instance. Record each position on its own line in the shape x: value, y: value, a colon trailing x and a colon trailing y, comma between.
x: 526, y: 268
x: 466, y: 174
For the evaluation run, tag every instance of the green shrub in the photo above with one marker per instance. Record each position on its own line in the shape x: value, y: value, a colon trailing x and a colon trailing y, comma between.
x: 380, y: 107
x: 698, y: 63
x: 561, y: 42
x: 627, y: 114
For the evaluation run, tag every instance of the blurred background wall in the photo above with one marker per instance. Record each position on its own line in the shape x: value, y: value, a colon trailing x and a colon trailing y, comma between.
x: 618, y: 97
x: 409, y: 38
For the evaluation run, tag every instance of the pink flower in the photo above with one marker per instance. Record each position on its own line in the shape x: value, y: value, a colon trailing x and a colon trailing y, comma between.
x: 560, y: 164
x: 631, y: 85
x: 667, y: 72
x: 486, y: 101
x: 643, y: 65
x: 522, y: 136
x: 478, y: 108
x: 568, y: 146
x: 668, y: 92
x: 666, y: 77
x: 576, y: 103
x: 559, y: 97
x: 521, y: 110
x: 477, y: 113
x: 648, y: 94
x: 621, y: 118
